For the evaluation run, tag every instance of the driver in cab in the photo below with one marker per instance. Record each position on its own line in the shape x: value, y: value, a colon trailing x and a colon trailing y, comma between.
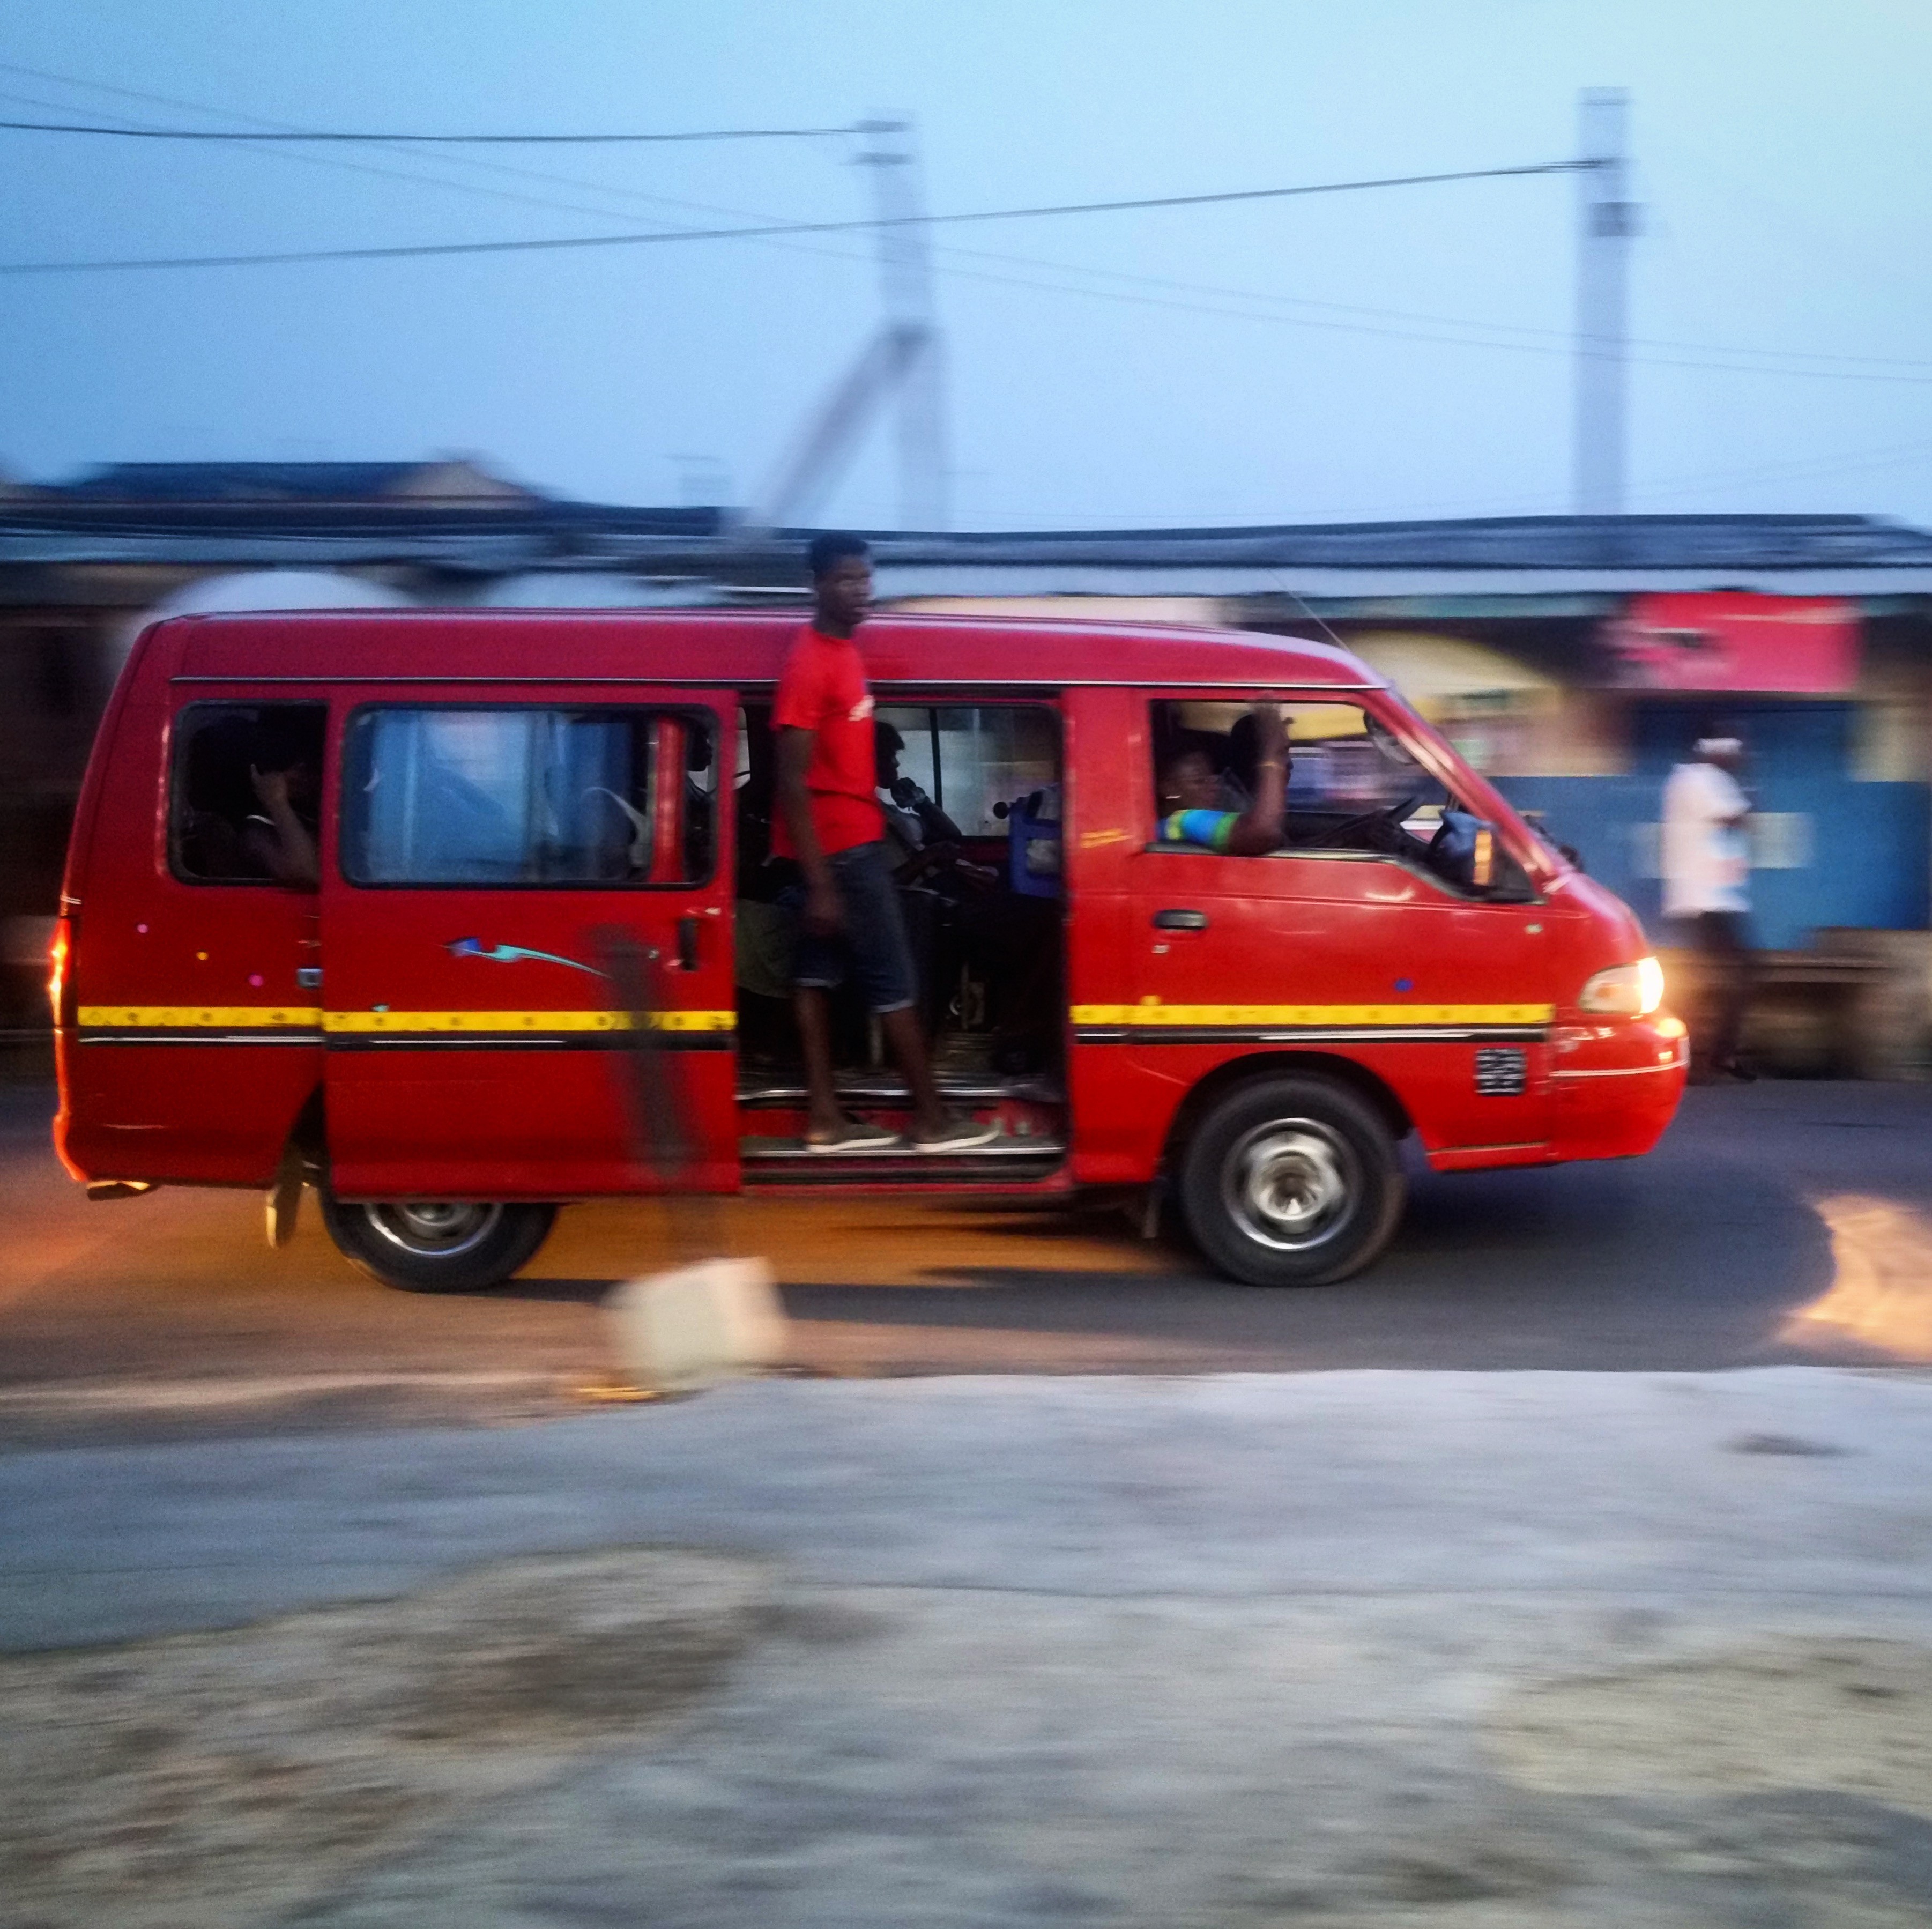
x: 1191, y: 801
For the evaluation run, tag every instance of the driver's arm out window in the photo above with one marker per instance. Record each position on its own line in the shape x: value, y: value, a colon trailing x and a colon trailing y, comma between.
x: 1339, y: 770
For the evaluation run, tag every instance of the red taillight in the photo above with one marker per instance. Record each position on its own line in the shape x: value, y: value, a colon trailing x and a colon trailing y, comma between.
x: 58, y: 954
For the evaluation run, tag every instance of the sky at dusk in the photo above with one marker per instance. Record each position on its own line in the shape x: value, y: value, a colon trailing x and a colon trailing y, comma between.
x: 1390, y: 354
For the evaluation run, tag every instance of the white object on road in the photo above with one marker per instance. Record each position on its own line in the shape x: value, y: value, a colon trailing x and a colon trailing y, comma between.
x: 679, y: 1330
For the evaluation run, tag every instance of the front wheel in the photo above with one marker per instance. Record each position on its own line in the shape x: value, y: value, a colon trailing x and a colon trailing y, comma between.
x: 428, y: 1245
x: 1291, y: 1182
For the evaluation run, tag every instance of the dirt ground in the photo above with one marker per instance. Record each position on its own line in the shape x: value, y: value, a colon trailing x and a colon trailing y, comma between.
x: 252, y: 1776
x: 226, y: 1779
x: 1848, y: 1718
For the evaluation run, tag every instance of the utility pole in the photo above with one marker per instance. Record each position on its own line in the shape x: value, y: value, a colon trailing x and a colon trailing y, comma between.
x: 905, y: 286
x: 901, y: 363
x: 1608, y: 220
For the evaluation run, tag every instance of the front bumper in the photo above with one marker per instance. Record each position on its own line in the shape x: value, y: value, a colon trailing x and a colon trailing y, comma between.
x: 1616, y: 1083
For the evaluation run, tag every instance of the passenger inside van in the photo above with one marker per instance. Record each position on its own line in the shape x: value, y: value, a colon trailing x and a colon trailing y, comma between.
x: 1193, y: 803
x: 1348, y: 784
x: 286, y: 775
x: 699, y: 801
x: 248, y: 809
x: 920, y: 838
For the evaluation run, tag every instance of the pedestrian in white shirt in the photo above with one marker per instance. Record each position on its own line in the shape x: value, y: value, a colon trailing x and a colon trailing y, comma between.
x: 1706, y: 866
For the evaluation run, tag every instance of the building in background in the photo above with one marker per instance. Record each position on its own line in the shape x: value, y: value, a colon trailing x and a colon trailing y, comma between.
x: 1572, y: 659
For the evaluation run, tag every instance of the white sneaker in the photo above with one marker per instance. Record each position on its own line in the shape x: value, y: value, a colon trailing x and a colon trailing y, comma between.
x: 961, y: 1136
x: 855, y: 1135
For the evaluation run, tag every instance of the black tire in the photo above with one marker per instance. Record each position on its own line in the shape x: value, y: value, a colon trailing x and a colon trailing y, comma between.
x: 1291, y: 1182
x: 426, y: 1245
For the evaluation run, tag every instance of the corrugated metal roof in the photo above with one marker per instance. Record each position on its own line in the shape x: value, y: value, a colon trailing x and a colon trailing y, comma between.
x: 238, y: 481
x: 1487, y: 543
x: 489, y: 537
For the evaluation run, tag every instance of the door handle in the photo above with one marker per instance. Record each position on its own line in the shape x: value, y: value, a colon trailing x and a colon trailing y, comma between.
x: 1181, y: 920
x: 687, y: 944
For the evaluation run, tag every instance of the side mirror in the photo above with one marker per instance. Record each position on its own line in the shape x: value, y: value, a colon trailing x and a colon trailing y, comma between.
x: 1468, y: 854
x: 1464, y: 851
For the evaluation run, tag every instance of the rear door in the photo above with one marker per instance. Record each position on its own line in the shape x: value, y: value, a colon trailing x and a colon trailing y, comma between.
x: 198, y: 1039
x: 486, y: 852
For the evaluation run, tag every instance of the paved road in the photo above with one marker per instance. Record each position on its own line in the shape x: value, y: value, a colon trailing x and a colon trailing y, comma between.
x: 1612, y: 1651
x: 1778, y: 1223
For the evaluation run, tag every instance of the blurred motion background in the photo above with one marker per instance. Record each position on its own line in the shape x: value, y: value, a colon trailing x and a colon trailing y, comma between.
x: 1133, y: 309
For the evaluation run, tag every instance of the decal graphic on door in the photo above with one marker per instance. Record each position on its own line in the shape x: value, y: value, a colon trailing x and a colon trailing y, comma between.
x: 512, y: 954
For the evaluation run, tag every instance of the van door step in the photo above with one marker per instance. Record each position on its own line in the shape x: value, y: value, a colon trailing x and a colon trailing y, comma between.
x: 763, y: 1086
x: 1008, y: 1160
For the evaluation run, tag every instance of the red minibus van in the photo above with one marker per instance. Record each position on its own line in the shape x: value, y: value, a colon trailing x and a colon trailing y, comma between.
x: 342, y: 888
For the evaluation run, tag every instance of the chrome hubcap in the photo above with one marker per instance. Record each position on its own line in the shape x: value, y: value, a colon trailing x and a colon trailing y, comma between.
x: 1289, y: 1184
x: 433, y: 1229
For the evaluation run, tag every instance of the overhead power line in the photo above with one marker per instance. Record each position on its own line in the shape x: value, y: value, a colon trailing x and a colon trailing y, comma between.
x: 414, y: 163
x: 435, y: 140
x: 554, y: 243
x: 1703, y: 357
x: 1469, y: 330
x: 1049, y: 276
x: 1302, y: 312
x: 1044, y: 276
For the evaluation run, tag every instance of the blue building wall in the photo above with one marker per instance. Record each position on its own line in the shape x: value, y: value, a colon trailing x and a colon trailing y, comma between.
x: 1866, y: 847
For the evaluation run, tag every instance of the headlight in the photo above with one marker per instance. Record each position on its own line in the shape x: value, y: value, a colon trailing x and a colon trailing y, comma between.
x: 1625, y: 991
x: 1650, y: 981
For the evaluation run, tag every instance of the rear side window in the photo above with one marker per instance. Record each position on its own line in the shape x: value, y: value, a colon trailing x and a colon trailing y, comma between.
x: 462, y: 795
x: 243, y: 801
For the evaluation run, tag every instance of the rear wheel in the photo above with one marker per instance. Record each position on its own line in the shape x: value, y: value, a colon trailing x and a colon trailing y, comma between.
x: 430, y: 1245
x: 1291, y: 1182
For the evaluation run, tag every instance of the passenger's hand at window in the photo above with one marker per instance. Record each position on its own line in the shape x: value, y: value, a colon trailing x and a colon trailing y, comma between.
x: 284, y: 845
x: 272, y: 788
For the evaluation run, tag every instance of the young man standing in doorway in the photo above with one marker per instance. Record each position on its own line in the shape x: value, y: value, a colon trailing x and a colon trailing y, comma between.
x: 829, y: 822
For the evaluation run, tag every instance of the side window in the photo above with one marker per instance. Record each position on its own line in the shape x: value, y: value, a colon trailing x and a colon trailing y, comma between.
x: 946, y: 772
x: 453, y: 795
x: 1341, y: 764
x: 1352, y: 788
x: 244, y: 794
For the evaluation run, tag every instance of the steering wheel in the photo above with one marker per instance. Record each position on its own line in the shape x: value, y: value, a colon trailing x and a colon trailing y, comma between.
x: 1394, y: 813
x: 947, y: 864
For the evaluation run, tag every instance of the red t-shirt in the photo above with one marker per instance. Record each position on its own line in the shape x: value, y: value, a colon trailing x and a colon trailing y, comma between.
x: 822, y: 689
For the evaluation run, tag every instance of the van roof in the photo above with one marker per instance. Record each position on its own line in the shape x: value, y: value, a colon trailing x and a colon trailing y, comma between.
x: 729, y: 647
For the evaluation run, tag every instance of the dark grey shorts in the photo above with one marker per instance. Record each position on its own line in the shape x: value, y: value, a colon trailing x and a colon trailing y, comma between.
x: 872, y: 947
